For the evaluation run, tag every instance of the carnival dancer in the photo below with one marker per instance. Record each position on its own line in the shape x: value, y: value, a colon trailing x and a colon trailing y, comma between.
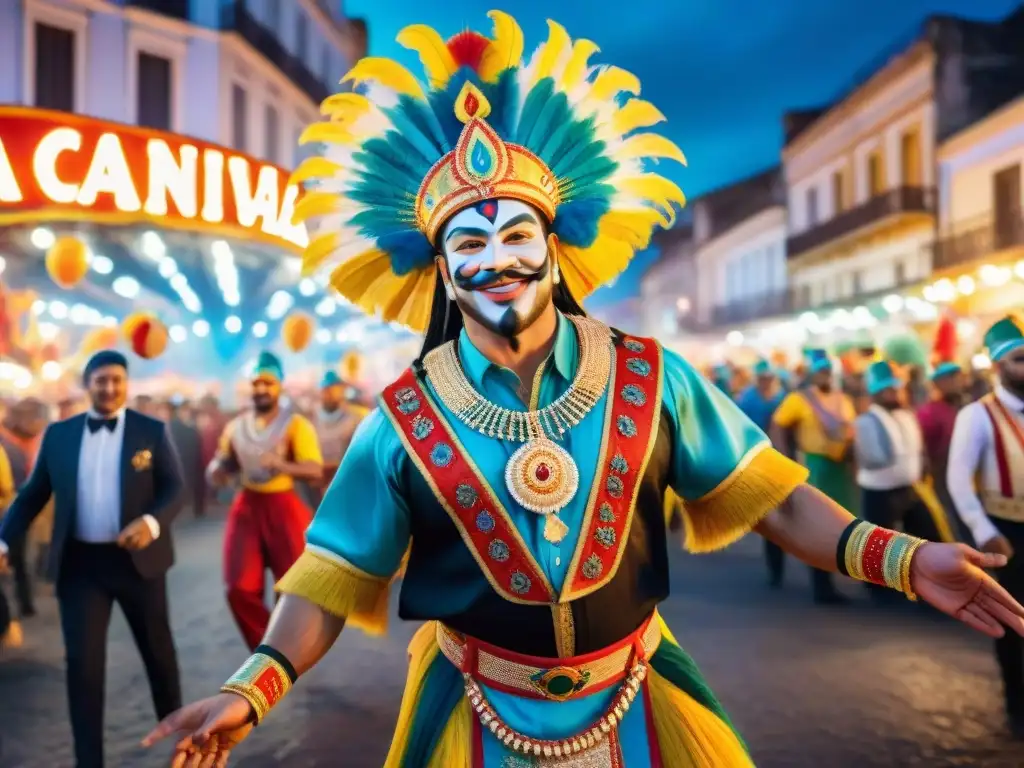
x: 889, y: 448
x: 759, y: 402
x: 116, y: 485
x: 815, y: 424
x: 937, y: 418
x: 270, y: 448
x: 985, y: 477
x: 336, y: 422
x: 527, y: 452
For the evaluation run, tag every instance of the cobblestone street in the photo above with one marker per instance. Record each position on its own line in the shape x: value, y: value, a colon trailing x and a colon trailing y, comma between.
x: 809, y: 687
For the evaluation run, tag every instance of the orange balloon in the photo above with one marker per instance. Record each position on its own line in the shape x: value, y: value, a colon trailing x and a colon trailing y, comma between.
x: 67, y: 262
x: 297, y: 331
x: 352, y: 366
x: 146, y: 335
x: 99, y: 338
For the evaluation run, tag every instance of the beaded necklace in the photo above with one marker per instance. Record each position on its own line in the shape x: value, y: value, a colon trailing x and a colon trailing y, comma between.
x: 541, y: 475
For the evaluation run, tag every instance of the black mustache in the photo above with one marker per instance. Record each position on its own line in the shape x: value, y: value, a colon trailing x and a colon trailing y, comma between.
x: 485, y: 278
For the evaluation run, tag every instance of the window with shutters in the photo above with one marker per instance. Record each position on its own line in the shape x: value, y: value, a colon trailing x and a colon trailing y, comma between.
x: 239, y: 118
x: 154, y: 84
x: 54, y: 67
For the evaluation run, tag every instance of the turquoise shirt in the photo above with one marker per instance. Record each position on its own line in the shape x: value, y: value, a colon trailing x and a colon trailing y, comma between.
x: 364, y: 517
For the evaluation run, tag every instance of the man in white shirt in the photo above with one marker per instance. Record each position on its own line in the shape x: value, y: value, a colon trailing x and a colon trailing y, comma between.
x: 986, y: 482
x: 116, y: 483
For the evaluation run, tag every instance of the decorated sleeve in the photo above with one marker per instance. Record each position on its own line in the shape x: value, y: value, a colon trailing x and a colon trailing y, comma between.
x: 723, y: 466
x: 305, y: 443
x: 360, y: 532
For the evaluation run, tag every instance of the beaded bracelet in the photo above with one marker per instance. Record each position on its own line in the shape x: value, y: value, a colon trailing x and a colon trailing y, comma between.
x: 877, y: 555
x: 263, y: 680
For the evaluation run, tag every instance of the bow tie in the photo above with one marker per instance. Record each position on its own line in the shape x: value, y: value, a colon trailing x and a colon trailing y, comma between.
x: 95, y: 425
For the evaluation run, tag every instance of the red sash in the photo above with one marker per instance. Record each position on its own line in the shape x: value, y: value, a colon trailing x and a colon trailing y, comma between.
x: 631, y: 420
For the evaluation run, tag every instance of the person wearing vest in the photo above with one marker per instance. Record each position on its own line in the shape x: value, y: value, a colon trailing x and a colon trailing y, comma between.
x: 525, y: 455
x: 269, y: 448
x: 985, y: 477
x: 815, y: 425
x: 336, y: 422
x: 937, y: 418
x: 759, y: 402
x: 889, y: 449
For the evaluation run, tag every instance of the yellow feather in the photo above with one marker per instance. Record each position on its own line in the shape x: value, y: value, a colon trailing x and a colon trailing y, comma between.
x: 636, y: 113
x: 314, y: 168
x: 649, y: 145
x: 388, y: 73
x: 319, y: 249
x: 552, y: 50
x: 353, y: 278
x: 313, y: 204
x: 505, y: 50
x: 576, y: 69
x: 437, y: 60
x: 347, y: 105
x: 332, y: 133
x: 613, y: 81
x: 655, y: 189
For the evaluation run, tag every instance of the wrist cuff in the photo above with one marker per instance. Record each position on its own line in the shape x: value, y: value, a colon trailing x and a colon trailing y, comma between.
x: 262, y: 681
x: 878, y: 556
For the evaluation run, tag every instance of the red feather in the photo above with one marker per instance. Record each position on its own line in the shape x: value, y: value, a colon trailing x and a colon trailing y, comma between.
x: 945, y: 345
x: 467, y: 48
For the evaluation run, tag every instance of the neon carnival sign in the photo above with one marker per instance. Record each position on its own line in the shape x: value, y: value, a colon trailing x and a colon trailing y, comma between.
x: 56, y: 166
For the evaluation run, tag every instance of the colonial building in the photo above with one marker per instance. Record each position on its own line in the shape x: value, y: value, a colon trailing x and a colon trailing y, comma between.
x: 860, y: 172
x: 668, y: 290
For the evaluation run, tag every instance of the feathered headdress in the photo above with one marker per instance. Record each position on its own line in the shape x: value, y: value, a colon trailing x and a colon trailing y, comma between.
x: 402, y: 155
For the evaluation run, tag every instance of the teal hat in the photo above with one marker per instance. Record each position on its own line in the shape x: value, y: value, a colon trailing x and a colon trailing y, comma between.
x: 946, y: 369
x: 880, y: 376
x: 268, y: 364
x: 1005, y: 336
x: 817, y: 360
x: 330, y: 379
x: 763, y: 368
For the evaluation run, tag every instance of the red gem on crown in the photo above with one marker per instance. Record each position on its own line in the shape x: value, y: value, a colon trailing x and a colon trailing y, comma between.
x: 542, y: 473
x: 471, y: 104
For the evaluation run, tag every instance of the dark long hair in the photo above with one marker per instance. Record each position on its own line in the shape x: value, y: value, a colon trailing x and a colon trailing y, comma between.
x: 446, y: 321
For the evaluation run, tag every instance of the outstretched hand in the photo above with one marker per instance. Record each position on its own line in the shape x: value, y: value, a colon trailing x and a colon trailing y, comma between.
x: 208, y: 730
x: 950, y: 577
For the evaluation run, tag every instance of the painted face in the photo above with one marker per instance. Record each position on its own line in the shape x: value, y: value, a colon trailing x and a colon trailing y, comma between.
x: 499, y: 270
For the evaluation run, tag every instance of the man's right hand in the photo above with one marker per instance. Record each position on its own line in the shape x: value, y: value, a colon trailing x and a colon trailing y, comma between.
x: 998, y: 545
x: 208, y: 730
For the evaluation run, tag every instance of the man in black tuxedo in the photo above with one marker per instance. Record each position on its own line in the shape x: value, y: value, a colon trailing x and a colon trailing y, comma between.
x: 116, y: 483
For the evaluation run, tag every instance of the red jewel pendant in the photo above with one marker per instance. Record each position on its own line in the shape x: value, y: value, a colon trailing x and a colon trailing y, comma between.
x: 543, y: 472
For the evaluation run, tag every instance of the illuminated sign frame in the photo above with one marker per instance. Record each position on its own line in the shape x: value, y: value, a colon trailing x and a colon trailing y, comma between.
x: 57, y: 166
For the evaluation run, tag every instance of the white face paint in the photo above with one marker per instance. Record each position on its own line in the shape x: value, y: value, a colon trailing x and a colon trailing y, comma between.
x: 498, y: 264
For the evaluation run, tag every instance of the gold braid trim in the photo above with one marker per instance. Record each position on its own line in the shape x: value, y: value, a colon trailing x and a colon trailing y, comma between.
x: 762, y: 480
x: 341, y: 589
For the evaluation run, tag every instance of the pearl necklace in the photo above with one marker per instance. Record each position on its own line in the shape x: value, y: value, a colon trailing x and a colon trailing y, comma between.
x: 541, y: 475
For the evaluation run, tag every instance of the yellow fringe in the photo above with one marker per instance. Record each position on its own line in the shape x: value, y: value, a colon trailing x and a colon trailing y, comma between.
x: 763, y: 479
x: 340, y: 589
x: 689, y: 734
x: 926, y: 492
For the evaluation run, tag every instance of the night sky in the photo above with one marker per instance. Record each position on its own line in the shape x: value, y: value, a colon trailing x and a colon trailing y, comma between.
x: 722, y: 71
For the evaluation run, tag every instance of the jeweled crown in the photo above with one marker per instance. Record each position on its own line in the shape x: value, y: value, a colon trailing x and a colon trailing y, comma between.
x: 482, y: 167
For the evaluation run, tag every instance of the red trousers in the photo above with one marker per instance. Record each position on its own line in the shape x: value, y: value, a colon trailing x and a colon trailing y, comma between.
x: 264, y: 530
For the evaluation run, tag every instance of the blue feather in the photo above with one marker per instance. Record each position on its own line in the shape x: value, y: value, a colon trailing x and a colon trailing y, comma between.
x: 575, y: 157
x: 576, y: 222
x: 555, y: 112
x: 504, y: 98
x: 538, y: 97
x: 408, y: 251
x: 589, y: 181
x: 564, y: 136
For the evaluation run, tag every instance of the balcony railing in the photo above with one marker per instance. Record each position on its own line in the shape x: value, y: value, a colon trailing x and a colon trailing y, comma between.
x: 237, y: 18
x: 177, y: 9
x: 753, y: 308
x: 891, y: 203
x: 978, y: 242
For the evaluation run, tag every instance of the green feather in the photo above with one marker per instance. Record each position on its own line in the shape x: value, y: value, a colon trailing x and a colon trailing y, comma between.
x: 536, y: 100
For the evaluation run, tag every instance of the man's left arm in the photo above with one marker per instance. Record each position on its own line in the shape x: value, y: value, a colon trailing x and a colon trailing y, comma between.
x: 168, y: 481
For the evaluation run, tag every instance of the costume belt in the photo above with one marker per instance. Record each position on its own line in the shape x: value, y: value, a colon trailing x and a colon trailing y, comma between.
x: 997, y: 505
x: 547, y: 678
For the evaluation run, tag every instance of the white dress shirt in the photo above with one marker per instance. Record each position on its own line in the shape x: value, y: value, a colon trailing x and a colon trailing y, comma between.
x: 972, y: 449
x: 98, y: 518
x: 907, y: 445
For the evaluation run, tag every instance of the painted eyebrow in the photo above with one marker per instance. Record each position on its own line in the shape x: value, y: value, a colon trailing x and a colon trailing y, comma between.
x: 522, y: 218
x: 457, y: 231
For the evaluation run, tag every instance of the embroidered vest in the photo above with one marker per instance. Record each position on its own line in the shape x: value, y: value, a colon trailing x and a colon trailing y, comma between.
x: 1008, y: 443
x: 462, y: 538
